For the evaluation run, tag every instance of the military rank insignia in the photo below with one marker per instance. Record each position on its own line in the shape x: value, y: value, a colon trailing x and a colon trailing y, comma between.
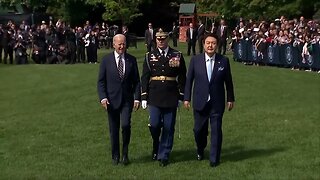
x: 153, y: 57
x: 175, y: 60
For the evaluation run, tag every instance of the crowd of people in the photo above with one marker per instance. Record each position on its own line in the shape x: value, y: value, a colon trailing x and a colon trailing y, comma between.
x: 54, y: 43
x: 300, y: 33
x: 59, y: 43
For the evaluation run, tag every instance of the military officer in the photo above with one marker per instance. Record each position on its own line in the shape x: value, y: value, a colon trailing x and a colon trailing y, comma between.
x: 163, y: 80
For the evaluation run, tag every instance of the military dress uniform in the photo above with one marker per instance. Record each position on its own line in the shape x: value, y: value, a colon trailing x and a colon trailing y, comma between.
x: 163, y: 80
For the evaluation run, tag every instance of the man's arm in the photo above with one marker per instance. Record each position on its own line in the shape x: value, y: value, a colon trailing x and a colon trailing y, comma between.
x: 137, y: 85
x: 189, y: 83
x: 229, y: 83
x: 102, y: 79
x: 101, y: 85
x: 182, y: 77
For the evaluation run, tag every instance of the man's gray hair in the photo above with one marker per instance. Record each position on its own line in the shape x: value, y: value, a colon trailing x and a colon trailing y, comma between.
x: 118, y: 36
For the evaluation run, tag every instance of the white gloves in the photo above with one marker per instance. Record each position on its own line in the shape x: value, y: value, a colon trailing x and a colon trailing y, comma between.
x: 144, y: 104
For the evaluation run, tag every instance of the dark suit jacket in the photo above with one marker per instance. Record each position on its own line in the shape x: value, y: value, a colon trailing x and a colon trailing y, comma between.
x: 163, y: 93
x: 194, y: 35
x: 175, y: 32
x: 110, y: 85
x: 224, y: 33
x: 149, y: 38
x: 201, y: 31
x: 221, y: 77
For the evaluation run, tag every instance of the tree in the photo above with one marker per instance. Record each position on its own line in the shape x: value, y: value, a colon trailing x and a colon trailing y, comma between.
x: 260, y: 9
x: 62, y: 9
x: 124, y: 10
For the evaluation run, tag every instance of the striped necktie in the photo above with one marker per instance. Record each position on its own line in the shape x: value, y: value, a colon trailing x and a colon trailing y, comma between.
x: 120, y: 67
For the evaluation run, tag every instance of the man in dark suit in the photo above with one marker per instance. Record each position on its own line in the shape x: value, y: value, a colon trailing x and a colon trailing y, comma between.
x: 125, y: 32
x: 149, y: 38
x: 175, y: 34
x: 200, y: 34
x: 208, y: 73
x: 222, y: 35
x: 119, y: 92
x: 191, y: 39
x: 163, y: 79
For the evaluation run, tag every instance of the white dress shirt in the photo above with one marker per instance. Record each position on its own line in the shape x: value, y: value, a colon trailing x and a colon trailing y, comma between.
x: 116, y: 55
x: 207, y: 59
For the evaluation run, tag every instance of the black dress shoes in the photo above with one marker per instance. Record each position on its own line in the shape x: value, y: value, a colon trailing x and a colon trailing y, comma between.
x: 199, y: 157
x: 164, y: 162
x: 200, y: 154
x: 115, y: 161
x: 154, y: 156
x: 214, y: 164
x: 125, y: 160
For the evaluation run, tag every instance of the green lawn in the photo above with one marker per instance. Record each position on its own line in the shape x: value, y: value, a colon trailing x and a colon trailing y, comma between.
x: 52, y: 127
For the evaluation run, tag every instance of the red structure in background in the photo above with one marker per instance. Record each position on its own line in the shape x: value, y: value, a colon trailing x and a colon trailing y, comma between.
x: 188, y: 14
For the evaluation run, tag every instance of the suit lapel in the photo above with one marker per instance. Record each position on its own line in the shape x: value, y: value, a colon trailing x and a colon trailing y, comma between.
x: 203, y: 66
x: 215, y: 68
x: 113, y: 63
x: 127, y: 66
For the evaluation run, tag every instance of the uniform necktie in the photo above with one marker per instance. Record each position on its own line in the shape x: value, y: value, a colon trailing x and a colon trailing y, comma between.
x: 209, y: 68
x: 120, y: 67
x: 163, y: 53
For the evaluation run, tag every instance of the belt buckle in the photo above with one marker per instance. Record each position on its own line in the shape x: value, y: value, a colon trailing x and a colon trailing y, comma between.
x: 162, y: 78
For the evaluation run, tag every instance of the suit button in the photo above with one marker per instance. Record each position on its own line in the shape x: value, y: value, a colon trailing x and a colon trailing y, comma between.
x: 162, y: 70
x: 163, y: 65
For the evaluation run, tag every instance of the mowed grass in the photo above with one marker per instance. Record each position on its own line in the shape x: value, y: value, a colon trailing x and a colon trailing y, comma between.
x: 52, y: 127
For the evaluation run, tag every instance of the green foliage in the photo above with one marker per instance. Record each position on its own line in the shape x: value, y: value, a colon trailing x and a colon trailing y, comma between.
x: 127, y: 10
x: 124, y: 10
x: 259, y: 9
x: 66, y: 10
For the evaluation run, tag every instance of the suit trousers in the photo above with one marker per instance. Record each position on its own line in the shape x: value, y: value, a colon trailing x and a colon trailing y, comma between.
x: 175, y: 41
x: 201, y: 121
x: 200, y: 43
x: 165, y: 118
x: 150, y: 46
x: 191, y: 46
x: 122, y: 116
x: 222, y: 46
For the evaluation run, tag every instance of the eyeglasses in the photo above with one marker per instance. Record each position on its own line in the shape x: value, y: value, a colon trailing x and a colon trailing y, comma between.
x: 161, y: 39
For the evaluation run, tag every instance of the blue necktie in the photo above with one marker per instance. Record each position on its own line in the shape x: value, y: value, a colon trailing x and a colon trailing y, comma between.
x: 209, y: 68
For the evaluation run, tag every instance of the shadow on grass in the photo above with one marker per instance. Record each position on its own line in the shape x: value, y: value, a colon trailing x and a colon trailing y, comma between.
x: 231, y: 154
x: 239, y: 153
x: 175, y: 156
